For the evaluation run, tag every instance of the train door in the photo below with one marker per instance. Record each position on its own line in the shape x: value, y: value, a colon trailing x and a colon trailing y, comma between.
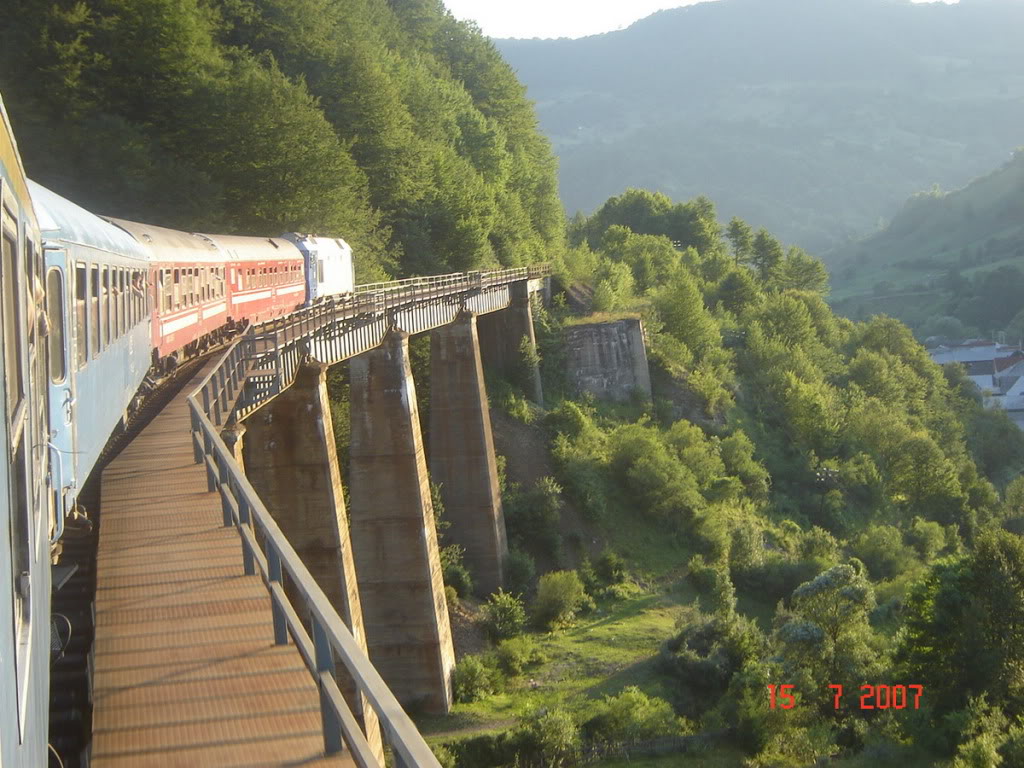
x: 62, y: 344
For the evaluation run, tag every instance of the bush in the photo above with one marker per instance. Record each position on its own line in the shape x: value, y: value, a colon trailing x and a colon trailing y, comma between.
x: 882, y: 549
x: 456, y: 575
x: 520, y: 572
x: 611, y: 568
x: 503, y: 615
x: 451, y: 597
x: 634, y: 716
x: 534, y: 517
x: 444, y: 756
x: 550, y: 736
x: 472, y: 680
x: 517, y: 653
x: 926, y: 537
x: 560, y: 596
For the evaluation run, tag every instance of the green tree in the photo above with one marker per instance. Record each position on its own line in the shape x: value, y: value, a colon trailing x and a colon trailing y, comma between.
x: 766, y: 256
x: 964, y: 632
x: 801, y: 272
x: 741, y: 236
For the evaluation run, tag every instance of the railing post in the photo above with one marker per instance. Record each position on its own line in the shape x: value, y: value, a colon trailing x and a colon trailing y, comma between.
x: 274, y: 571
x: 248, y: 561
x: 325, y: 666
x: 223, y: 399
x: 197, y: 435
x: 211, y: 480
x: 222, y: 470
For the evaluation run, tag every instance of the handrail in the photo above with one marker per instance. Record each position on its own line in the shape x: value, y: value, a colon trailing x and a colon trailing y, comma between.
x: 226, y: 393
x: 264, y: 546
x: 332, y: 640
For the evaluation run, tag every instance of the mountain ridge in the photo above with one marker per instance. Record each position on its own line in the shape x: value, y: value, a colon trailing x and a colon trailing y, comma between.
x: 764, y: 106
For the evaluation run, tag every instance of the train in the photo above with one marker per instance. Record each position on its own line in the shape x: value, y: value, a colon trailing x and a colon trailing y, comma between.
x: 95, y: 311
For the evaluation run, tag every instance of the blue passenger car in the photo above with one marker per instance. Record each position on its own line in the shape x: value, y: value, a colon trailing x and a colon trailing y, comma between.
x: 27, y: 523
x: 97, y: 274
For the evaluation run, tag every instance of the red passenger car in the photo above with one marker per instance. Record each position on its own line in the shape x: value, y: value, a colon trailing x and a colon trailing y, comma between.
x: 265, y: 276
x: 189, y: 288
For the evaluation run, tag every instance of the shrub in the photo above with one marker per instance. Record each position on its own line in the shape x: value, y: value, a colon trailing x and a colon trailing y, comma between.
x: 611, y: 568
x: 882, y: 549
x: 444, y: 756
x: 520, y: 572
x: 451, y: 597
x: 551, y: 736
x: 560, y: 596
x: 533, y: 517
x: 634, y: 716
x: 472, y: 680
x: 701, y: 573
x: 504, y: 615
x: 456, y: 575
x: 517, y: 653
x: 926, y: 537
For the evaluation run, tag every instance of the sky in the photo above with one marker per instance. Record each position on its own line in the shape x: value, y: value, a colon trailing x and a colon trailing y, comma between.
x: 558, y: 18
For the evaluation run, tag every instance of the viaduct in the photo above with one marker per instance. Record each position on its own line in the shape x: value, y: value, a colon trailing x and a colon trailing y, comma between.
x: 262, y: 427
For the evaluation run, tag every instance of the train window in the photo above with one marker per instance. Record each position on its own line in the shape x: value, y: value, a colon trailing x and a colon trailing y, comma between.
x: 320, y: 270
x: 55, y: 314
x: 122, y: 304
x: 106, y: 311
x: 168, y: 288
x: 81, y: 316
x: 12, y: 323
x: 133, y: 298
x: 94, y: 300
x: 21, y: 548
x: 177, y: 289
x: 135, y: 291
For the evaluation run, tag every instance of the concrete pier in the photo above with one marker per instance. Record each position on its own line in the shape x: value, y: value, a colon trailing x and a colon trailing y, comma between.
x: 462, y: 452
x: 501, y: 334
x: 291, y: 460
x: 392, y: 522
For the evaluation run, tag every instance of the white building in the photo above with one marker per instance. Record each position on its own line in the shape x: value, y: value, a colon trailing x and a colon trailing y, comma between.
x: 997, y: 369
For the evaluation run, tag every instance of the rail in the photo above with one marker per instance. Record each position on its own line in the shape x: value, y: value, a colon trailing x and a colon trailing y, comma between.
x: 262, y: 365
x: 226, y: 393
x: 265, y: 547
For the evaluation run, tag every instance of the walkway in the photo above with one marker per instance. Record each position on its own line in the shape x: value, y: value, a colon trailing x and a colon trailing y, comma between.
x: 186, y: 672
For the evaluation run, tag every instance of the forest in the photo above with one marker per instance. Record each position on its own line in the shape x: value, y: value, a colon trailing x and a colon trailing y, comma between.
x: 807, y: 502
x: 389, y: 123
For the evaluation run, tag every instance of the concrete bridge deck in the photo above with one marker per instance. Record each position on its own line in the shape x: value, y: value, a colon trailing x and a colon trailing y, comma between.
x: 186, y: 672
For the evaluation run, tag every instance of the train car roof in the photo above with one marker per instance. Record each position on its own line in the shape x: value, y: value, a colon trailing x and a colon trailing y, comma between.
x: 171, y: 245
x: 325, y: 244
x: 60, y: 219
x: 242, y: 248
x: 12, y: 169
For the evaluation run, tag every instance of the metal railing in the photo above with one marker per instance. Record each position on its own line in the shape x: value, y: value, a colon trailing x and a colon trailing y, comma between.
x: 266, y: 550
x: 262, y: 365
x: 268, y: 360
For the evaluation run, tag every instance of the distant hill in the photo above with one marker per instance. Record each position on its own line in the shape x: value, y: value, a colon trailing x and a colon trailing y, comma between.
x: 944, y: 255
x: 814, y: 118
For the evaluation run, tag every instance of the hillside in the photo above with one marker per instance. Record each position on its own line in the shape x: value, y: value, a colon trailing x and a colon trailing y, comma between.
x: 386, y: 122
x: 807, y: 502
x: 944, y: 255
x: 813, y: 119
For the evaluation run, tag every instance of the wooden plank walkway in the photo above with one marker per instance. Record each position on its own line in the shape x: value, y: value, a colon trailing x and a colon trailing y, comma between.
x: 186, y: 672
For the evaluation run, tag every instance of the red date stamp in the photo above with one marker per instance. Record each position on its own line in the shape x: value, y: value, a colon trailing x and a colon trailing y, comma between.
x: 871, y: 696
